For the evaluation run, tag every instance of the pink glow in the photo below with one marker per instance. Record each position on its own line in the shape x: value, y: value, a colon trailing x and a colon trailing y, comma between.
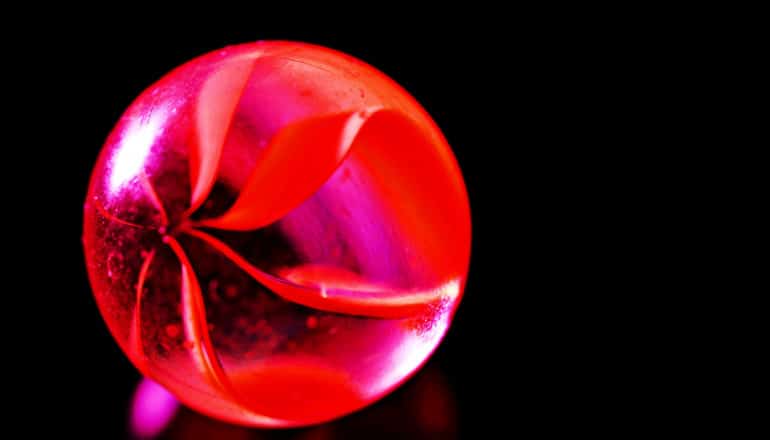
x: 152, y: 409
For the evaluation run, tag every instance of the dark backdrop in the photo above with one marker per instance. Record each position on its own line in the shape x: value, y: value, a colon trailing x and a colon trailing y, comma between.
x: 487, y: 90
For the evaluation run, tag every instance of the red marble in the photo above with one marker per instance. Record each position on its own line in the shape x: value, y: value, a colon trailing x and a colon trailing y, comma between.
x: 277, y: 233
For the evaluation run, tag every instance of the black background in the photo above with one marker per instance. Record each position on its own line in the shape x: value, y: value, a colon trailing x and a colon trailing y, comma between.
x: 510, y: 360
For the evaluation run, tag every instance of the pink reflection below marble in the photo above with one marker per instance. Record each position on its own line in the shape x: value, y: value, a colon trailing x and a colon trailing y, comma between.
x: 152, y: 409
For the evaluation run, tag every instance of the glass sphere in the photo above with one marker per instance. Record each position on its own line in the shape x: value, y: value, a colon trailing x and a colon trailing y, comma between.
x: 277, y: 233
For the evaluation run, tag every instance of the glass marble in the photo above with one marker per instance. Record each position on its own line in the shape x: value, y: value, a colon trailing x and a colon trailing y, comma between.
x: 277, y: 233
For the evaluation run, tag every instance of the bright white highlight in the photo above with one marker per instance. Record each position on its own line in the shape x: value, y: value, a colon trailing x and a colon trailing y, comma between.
x: 137, y: 140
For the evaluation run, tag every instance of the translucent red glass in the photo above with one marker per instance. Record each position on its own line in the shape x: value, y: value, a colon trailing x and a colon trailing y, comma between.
x: 277, y: 233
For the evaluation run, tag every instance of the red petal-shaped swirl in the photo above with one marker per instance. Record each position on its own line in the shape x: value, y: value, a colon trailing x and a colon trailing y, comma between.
x: 293, y: 166
x: 214, y: 111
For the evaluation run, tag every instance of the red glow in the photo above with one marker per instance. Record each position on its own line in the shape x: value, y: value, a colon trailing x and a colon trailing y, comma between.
x: 277, y: 233
x: 291, y: 169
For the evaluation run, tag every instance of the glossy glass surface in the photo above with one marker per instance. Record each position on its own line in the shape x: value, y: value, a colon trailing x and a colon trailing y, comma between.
x: 277, y: 233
